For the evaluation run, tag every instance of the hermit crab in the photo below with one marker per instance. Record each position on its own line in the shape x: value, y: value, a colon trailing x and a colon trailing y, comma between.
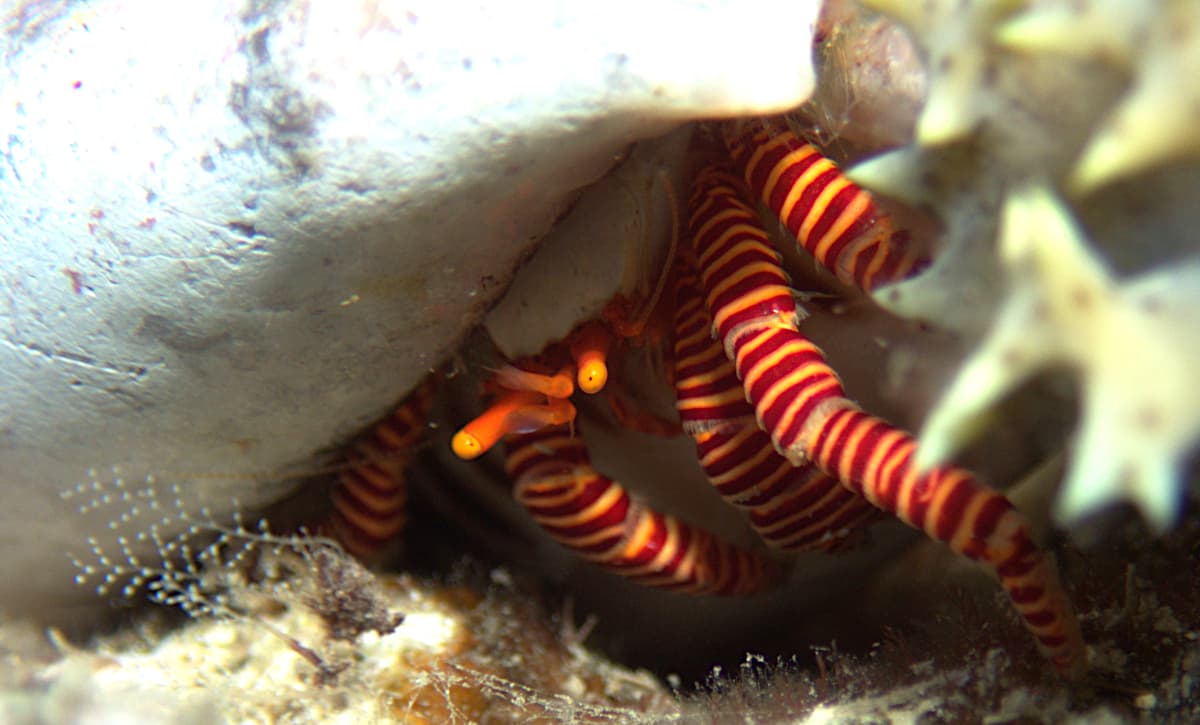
x: 775, y: 432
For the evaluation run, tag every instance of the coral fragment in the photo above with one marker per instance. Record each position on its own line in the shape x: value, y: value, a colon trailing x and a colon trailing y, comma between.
x: 957, y: 40
x: 1133, y: 344
x: 1159, y: 42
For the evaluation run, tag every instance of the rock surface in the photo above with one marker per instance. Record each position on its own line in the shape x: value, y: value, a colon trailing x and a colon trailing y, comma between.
x: 233, y: 236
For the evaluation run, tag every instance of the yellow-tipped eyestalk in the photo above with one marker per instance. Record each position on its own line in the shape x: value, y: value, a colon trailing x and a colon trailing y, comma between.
x: 590, y: 351
x: 518, y: 411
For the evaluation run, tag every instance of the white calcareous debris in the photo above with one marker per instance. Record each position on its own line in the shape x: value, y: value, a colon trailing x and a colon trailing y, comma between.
x: 248, y: 669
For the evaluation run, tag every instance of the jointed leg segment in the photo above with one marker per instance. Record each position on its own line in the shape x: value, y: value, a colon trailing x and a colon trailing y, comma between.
x: 583, y: 509
x: 774, y: 430
x: 595, y: 516
x: 799, y: 401
x: 370, y: 496
x: 792, y: 508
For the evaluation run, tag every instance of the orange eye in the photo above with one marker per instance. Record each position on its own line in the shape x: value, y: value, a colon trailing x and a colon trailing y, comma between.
x: 466, y: 445
x: 590, y: 351
x: 593, y: 375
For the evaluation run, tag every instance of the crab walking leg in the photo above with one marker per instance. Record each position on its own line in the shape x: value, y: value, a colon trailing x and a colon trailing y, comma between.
x: 831, y: 217
x: 799, y: 401
x: 370, y: 496
x: 792, y: 508
x: 594, y: 516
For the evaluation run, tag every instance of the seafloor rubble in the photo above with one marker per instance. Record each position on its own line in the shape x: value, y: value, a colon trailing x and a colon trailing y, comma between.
x: 308, y: 635
x: 329, y: 642
x: 1053, y: 156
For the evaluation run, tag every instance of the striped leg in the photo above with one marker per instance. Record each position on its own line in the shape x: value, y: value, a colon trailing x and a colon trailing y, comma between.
x: 832, y: 218
x: 594, y: 516
x: 370, y: 496
x: 799, y: 401
x: 792, y: 508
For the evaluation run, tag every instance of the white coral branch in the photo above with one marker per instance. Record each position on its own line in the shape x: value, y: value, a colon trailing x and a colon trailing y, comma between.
x: 1135, y: 347
x: 957, y: 41
x: 1155, y: 41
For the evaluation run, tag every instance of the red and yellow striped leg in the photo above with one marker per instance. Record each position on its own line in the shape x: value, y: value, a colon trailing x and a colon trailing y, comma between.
x: 594, y: 516
x: 831, y: 217
x: 950, y: 505
x: 369, y: 496
x: 791, y: 508
x: 799, y: 401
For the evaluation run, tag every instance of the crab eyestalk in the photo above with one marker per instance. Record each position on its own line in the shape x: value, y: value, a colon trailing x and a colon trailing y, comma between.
x: 590, y: 348
x: 515, y: 411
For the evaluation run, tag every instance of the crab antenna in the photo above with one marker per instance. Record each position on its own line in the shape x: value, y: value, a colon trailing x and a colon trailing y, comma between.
x: 672, y: 246
x: 536, y: 417
x: 633, y: 325
x: 589, y: 348
x: 508, y: 413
